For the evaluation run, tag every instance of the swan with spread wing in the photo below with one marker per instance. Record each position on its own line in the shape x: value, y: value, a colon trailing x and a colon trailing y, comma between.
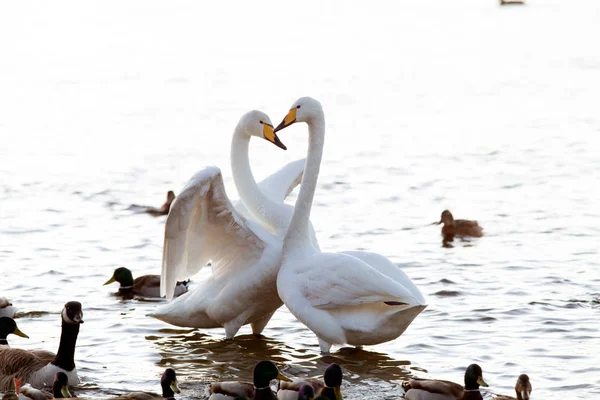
x: 243, y: 243
x: 354, y: 297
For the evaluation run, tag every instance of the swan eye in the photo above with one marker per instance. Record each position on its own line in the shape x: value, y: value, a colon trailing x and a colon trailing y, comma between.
x: 261, y: 122
x: 298, y: 106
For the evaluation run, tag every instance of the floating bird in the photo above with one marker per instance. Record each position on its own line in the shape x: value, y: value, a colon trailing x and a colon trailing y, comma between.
x: 354, y: 297
x: 39, y: 367
x: 459, y: 227
x: 292, y: 390
x: 144, y: 286
x: 522, y: 388
x: 168, y: 383
x: 433, y: 389
x: 333, y: 382
x: 8, y: 326
x: 260, y: 389
x: 164, y: 209
x: 6, y: 308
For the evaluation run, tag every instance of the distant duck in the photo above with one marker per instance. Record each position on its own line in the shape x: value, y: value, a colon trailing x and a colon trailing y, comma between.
x: 145, y: 286
x: 333, y: 382
x: 260, y: 389
x: 522, y: 388
x: 509, y: 2
x: 39, y: 367
x: 164, y: 209
x: 6, y: 308
x: 168, y: 383
x: 8, y: 326
x: 459, y: 227
x: 433, y: 389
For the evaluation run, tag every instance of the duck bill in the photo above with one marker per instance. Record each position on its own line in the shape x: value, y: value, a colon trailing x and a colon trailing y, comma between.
x: 481, y: 382
x: 174, y: 387
x: 289, y: 119
x: 111, y: 280
x: 270, y: 135
x: 78, y: 318
x: 282, y: 377
x: 65, y: 392
x: 18, y: 332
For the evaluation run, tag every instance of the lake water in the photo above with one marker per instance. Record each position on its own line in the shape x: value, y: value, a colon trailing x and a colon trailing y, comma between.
x: 489, y: 111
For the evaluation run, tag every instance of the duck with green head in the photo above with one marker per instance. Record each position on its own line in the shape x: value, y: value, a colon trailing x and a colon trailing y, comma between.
x: 9, y: 326
x: 168, y: 383
x: 333, y: 382
x: 144, y: 286
x: 260, y: 389
x: 433, y: 389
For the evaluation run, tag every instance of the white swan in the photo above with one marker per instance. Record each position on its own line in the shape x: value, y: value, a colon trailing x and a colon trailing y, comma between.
x: 245, y: 252
x: 353, y: 297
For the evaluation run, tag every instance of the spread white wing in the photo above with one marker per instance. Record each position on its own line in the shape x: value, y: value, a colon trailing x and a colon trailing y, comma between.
x: 203, y: 226
x: 342, y: 280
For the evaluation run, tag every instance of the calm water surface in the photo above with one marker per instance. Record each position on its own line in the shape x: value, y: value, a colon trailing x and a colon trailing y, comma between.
x: 489, y: 111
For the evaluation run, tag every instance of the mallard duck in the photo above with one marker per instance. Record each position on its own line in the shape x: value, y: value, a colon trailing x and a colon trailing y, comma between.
x: 433, y: 389
x: 459, y: 227
x: 6, y: 308
x: 292, y: 390
x: 60, y: 389
x: 164, y: 209
x: 333, y: 382
x: 38, y: 367
x: 145, y: 285
x: 8, y: 326
x: 260, y: 389
x: 306, y: 392
x: 522, y: 388
x: 168, y: 383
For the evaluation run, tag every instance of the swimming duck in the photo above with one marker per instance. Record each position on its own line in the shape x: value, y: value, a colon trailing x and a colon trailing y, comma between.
x: 38, y: 367
x: 433, y: 389
x: 8, y: 326
x: 333, y: 382
x: 522, y: 388
x: 168, y: 383
x: 6, y: 308
x: 306, y: 392
x: 260, y: 389
x: 164, y: 209
x: 145, y: 285
x: 459, y: 227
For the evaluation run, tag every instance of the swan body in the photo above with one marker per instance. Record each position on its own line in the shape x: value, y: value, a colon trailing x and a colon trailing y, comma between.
x: 244, y: 244
x: 357, y: 298
x: 6, y: 307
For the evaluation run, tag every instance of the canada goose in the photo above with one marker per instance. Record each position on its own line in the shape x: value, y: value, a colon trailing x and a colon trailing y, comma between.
x: 168, y: 383
x: 8, y: 326
x: 38, y: 367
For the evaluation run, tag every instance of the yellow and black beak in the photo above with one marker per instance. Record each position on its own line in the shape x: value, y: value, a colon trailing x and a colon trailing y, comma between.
x: 289, y: 119
x: 18, y: 332
x: 111, y: 280
x: 64, y: 390
x: 174, y: 387
x: 270, y: 135
x: 481, y: 381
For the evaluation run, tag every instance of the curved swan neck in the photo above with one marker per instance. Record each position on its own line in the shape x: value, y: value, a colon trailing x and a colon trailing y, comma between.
x: 257, y: 203
x: 298, y: 234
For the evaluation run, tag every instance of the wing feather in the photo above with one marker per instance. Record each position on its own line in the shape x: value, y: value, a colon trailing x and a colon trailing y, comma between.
x: 204, y: 226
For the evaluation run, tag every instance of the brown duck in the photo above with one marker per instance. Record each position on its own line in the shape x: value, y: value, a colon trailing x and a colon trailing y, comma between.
x: 459, y: 227
x: 522, y: 388
x: 433, y: 389
x: 164, y: 209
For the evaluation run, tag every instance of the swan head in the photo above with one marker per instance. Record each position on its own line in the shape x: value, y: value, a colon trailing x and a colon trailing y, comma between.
x: 305, y: 109
x: 257, y: 123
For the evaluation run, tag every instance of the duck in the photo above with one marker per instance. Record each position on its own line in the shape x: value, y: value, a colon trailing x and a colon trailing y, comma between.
x: 144, y: 286
x: 168, y: 383
x: 292, y: 390
x: 351, y: 297
x: 164, y: 209
x: 333, y: 382
x: 8, y: 326
x: 6, y: 308
x: 305, y: 392
x: 39, y: 367
x: 10, y: 395
x: 459, y: 227
x: 60, y: 389
x: 260, y: 389
x: 522, y: 389
x: 433, y: 389
x: 244, y: 247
